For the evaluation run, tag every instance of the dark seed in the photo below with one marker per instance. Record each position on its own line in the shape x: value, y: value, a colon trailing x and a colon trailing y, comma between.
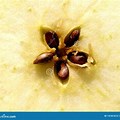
x: 44, y: 57
x: 72, y: 37
x: 79, y: 58
x: 61, y: 70
x: 52, y: 39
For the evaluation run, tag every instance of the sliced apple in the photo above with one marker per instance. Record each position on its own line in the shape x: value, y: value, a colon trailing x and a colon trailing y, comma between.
x: 28, y: 87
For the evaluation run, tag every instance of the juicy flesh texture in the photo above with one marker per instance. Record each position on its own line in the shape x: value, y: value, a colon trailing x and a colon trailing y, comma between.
x: 29, y: 87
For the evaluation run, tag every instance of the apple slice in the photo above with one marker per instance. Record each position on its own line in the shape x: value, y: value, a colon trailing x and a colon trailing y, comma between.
x: 28, y: 87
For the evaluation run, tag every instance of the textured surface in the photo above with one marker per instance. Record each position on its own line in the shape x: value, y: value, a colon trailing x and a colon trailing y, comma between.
x: 24, y: 86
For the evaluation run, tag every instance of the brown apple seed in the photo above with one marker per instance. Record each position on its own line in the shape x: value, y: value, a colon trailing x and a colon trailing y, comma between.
x: 61, y: 69
x: 52, y: 39
x: 44, y: 57
x: 72, y: 37
x: 79, y: 58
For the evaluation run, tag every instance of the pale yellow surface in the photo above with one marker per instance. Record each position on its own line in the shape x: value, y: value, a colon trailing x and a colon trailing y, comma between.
x: 28, y: 87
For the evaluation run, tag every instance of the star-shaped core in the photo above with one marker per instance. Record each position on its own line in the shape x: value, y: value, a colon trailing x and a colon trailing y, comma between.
x: 62, y: 55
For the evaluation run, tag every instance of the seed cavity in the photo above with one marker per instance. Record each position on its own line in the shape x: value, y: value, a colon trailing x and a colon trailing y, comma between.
x: 72, y: 37
x: 44, y: 57
x: 61, y: 70
x: 78, y: 57
x: 52, y: 39
x: 63, y: 54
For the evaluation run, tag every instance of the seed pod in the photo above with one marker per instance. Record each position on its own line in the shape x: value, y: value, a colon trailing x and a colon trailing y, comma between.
x: 72, y: 37
x: 44, y: 57
x: 61, y: 70
x: 78, y: 57
x: 52, y: 39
